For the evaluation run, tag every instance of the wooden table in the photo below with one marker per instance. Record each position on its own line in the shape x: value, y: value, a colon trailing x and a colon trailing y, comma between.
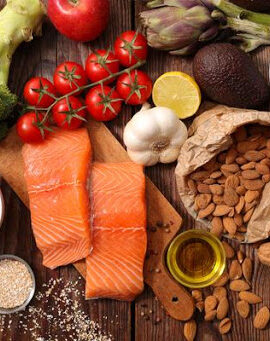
x: 40, y: 58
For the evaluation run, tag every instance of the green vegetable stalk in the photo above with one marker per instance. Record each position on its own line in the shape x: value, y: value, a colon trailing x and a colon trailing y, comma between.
x: 181, y: 26
x: 19, y: 20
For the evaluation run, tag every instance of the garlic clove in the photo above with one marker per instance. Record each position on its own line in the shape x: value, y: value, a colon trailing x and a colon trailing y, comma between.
x: 142, y: 125
x: 165, y: 118
x: 147, y: 158
x: 180, y: 135
x: 169, y: 155
x: 134, y: 142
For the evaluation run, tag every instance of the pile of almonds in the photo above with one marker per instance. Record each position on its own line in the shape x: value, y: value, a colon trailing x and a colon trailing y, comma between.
x: 215, y: 306
x: 228, y: 188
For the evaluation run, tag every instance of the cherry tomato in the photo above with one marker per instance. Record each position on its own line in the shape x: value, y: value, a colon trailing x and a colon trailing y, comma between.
x: 103, y: 103
x: 69, y: 113
x: 36, y: 92
x: 135, y: 88
x: 130, y: 47
x: 68, y: 76
x: 100, y: 65
x: 29, y: 128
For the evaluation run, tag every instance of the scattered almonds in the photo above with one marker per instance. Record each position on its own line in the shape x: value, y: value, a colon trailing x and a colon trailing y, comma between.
x: 249, y: 297
x: 264, y: 253
x: 222, y: 280
x: 219, y: 293
x: 210, y: 316
x: 239, y: 285
x: 222, y: 309
x: 262, y: 318
x: 247, y: 269
x: 190, y: 329
x: 243, y: 308
x: 210, y: 303
x: 235, y: 271
x: 228, y: 250
x: 225, y: 326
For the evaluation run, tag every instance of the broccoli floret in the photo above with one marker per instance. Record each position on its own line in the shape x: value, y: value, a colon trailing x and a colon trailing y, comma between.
x: 7, y: 102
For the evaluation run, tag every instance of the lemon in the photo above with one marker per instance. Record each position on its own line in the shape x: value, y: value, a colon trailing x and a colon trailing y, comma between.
x: 178, y: 91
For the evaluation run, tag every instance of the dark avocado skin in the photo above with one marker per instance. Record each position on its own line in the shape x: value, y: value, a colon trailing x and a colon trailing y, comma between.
x: 253, y: 5
x: 228, y: 76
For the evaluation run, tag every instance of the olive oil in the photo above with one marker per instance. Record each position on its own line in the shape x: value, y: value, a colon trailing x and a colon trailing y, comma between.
x: 196, y: 258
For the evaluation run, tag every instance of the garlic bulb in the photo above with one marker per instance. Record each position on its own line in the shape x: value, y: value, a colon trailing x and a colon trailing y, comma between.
x: 154, y: 135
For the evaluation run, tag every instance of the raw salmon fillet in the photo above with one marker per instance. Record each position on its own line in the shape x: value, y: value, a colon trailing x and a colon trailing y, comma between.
x: 118, y: 206
x: 56, y: 173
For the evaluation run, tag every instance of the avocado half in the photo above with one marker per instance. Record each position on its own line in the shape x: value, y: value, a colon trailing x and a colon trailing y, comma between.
x: 253, y: 5
x: 227, y: 75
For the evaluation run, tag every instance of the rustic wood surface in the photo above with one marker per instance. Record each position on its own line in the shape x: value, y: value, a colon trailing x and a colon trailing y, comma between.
x: 40, y: 58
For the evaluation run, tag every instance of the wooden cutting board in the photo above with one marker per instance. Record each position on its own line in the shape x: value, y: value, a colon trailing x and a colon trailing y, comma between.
x: 163, y: 220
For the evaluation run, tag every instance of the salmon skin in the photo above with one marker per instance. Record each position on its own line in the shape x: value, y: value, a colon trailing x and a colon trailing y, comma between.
x: 56, y: 173
x: 118, y: 206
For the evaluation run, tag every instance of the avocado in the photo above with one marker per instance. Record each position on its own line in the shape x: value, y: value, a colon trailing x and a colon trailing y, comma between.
x: 228, y: 76
x: 253, y: 5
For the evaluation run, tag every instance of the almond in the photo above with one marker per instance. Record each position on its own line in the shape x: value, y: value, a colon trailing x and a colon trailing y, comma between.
x: 266, y: 162
x: 210, y: 316
x: 199, y: 175
x: 240, y: 205
x: 253, y: 185
x: 248, y: 215
x: 221, y: 180
x: 207, y: 211
x: 230, y: 197
x: 245, y: 146
x: 241, y: 160
x: 216, y: 189
x: 203, y: 188
x: 231, y: 213
x: 243, y: 308
x: 248, y: 166
x: 250, y: 205
x: 235, y: 271
x: 218, y: 199
x: 223, y: 279
x: 197, y: 295
x: 211, y: 165
x: 222, y: 309
x: 239, y: 285
x: 262, y: 318
x: 232, y: 181
x: 266, y: 178
x: 241, y: 190
x: 238, y: 219
x: 228, y: 250
x: 221, y: 210
x: 250, y: 297
x: 202, y: 200
x: 254, y: 155
x: 247, y: 268
x: 264, y: 253
x: 216, y: 175
x: 219, y: 293
x: 266, y: 152
x: 225, y: 326
x: 242, y: 229
x: 229, y: 225
x: 231, y: 156
x: 190, y: 330
x: 239, y: 236
x: 232, y: 168
x: 209, y: 181
x: 216, y: 226
x: 210, y: 303
x: 251, y: 195
x: 250, y: 174
x: 262, y: 168
x: 240, y: 256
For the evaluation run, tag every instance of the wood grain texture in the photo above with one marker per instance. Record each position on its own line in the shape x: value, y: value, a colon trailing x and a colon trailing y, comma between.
x: 40, y: 57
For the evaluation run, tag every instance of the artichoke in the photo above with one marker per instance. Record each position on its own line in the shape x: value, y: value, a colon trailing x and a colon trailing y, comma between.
x: 181, y: 26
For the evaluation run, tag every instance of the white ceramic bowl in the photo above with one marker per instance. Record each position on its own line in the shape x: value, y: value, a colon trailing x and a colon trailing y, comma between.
x: 32, y: 292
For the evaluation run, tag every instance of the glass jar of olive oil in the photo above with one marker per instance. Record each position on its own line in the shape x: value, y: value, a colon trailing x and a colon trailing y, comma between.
x: 196, y: 258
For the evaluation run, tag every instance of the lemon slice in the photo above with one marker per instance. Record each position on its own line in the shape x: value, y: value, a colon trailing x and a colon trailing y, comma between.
x: 177, y: 91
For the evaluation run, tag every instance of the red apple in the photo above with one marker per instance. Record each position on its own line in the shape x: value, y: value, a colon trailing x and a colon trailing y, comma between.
x: 80, y: 20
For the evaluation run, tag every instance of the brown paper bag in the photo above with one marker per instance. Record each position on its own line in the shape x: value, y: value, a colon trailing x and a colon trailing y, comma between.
x: 208, y: 136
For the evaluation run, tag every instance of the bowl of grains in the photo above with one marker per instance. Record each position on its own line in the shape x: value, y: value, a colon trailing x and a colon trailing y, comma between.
x: 17, y: 284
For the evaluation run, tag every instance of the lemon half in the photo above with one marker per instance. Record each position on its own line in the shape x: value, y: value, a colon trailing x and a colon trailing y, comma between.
x: 178, y: 91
